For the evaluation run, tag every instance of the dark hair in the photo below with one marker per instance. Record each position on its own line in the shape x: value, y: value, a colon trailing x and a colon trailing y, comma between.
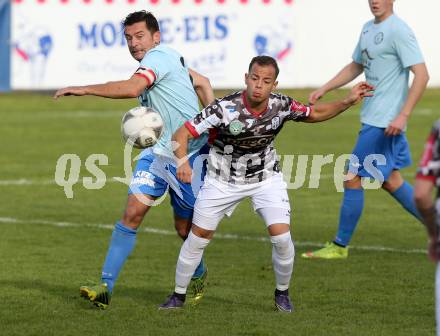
x: 142, y: 16
x: 265, y: 60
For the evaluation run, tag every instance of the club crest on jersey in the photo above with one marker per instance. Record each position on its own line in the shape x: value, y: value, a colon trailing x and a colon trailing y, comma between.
x: 378, y: 38
x: 236, y: 127
x: 275, y: 122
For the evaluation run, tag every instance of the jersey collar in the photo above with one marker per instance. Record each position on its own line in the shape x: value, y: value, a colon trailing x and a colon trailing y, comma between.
x: 246, y: 105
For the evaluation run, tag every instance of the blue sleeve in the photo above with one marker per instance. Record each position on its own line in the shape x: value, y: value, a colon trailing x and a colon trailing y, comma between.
x: 156, y: 60
x: 357, y: 53
x: 406, y: 46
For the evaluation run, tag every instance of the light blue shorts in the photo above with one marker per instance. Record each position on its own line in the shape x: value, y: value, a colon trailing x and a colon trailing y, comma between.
x: 155, y: 174
x: 376, y: 152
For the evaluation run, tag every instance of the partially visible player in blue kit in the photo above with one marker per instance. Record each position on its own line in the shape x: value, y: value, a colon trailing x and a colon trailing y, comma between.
x: 386, y: 52
x: 164, y: 83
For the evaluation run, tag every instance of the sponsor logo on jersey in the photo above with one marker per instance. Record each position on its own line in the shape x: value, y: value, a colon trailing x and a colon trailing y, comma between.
x: 366, y: 59
x: 251, y: 142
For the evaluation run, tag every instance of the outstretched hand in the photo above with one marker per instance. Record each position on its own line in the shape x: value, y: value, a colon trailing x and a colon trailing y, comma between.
x: 70, y: 91
x: 359, y: 92
x: 316, y: 95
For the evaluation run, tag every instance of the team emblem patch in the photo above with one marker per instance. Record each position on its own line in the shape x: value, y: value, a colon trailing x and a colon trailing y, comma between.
x: 236, y: 127
x: 275, y: 122
x: 378, y: 38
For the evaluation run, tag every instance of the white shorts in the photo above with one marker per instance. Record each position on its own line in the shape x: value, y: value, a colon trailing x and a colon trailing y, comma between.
x: 216, y: 199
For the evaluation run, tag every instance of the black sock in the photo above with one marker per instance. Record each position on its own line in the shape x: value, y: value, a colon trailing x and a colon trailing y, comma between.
x: 181, y: 297
x: 284, y: 292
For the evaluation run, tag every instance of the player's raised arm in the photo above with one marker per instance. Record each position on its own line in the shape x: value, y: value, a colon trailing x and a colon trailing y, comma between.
x: 180, y: 146
x: 129, y: 88
x: 325, y: 111
x: 345, y: 76
x: 203, y: 88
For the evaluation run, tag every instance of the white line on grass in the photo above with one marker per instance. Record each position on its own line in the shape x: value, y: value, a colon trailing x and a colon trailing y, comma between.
x: 25, y: 182
x: 425, y: 111
x: 79, y: 114
x: 8, y: 220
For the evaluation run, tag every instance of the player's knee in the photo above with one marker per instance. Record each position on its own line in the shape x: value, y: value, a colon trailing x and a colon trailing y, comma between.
x: 387, y: 186
x: 277, y: 228
x: 420, y: 195
x: 201, y: 233
x: 394, y: 182
x: 183, y: 233
x: 195, y: 242
x: 182, y: 229
x: 135, y: 210
x: 353, y: 182
x: 133, y: 217
x: 391, y: 186
x: 283, y: 245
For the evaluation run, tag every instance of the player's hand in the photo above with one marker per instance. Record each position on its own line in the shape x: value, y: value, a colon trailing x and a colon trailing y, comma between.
x: 359, y: 92
x: 70, y: 91
x: 316, y: 95
x: 397, y: 126
x: 184, y: 172
x: 434, y: 249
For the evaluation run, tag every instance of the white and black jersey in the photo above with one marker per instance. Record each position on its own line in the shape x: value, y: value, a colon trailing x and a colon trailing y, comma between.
x: 242, y: 141
x: 429, y: 167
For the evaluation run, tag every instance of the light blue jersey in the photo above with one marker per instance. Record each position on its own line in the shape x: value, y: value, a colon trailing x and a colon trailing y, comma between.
x: 386, y: 51
x: 171, y: 94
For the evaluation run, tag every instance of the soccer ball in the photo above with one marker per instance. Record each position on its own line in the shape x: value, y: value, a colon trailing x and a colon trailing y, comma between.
x: 141, y: 127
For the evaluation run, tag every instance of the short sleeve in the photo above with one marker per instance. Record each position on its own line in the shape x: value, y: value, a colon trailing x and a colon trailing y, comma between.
x: 406, y: 46
x: 154, y: 66
x: 299, y: 111
x: 357, y: 53
x: 210, y: 117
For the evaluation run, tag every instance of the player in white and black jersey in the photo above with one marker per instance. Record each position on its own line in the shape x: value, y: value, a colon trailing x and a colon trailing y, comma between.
x: 243, y: 163
x: 427, y: 179
x: 243, y: 139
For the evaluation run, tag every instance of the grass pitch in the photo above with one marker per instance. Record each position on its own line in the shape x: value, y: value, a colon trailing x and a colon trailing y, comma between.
x: 50, y: 245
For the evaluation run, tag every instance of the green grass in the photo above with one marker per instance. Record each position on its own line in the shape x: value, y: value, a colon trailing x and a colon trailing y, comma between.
x: 42, y: 265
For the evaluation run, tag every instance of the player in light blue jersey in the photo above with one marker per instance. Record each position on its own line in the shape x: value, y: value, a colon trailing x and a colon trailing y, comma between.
x: 164, y: 83
x: 386, y: 52
x: 174, y: 98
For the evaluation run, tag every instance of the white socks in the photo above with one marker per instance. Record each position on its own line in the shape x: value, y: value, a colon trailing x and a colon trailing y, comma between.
x: 283, y: 254
x: 189, y: 258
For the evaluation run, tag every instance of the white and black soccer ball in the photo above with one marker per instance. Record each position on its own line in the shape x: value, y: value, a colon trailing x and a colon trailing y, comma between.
x: 142, y: 127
